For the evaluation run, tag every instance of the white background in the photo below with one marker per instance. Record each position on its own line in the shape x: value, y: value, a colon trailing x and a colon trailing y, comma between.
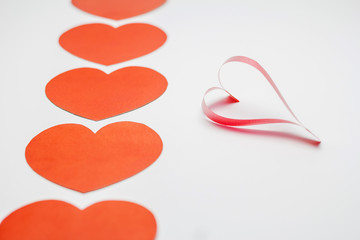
x: 210, y: 182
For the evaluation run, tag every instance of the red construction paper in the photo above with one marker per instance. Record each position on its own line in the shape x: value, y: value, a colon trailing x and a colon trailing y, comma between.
x: 246, y: 122
x: 57, y: 220
x: 93, y: 94
x: 106, y: 45
x: 117, y: 9
x: 72, y: 156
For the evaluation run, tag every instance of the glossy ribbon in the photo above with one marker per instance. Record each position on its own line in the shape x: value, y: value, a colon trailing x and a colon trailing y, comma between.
x: 247, y: 122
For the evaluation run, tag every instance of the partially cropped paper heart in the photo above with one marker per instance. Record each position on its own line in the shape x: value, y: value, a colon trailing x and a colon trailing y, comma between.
x: 93, y: 94
x: 106, y: 45
x: 57, y: 220
x: 117, y: 9
x: 74, y: 157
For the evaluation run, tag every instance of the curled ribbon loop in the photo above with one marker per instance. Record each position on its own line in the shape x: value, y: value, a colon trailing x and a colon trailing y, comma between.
x: 247, y: 122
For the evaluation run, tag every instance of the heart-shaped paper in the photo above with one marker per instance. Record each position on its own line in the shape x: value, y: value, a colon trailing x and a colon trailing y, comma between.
x: 93, y: 94
x: 106, y: 45
x: 117, y: 9
x: 72, y: 156
x: 234, y: 122
x: 57, y: 220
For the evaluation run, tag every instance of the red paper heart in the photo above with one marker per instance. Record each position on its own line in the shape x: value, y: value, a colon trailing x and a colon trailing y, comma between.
x: 57, y: 220
x: 93, y: 94
x: 72, y: 156
x: 106, y: 45
x: 117, y: 9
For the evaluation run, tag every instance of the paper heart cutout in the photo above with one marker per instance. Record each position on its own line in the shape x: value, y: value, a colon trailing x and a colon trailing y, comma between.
x: 117, y: 9
x: 72, y: 156
x: 57, y: 220
x: 106, y: 45
x: 93, y: 94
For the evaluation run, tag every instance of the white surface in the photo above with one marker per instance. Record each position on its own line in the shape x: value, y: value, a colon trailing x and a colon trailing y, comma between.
x: 209, y: 183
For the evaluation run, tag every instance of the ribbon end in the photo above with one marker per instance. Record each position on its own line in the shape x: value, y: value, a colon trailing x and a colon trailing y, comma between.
x: 234, y: 99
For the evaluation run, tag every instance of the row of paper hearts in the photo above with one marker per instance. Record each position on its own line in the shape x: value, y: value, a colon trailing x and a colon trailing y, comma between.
x: 115, y: 152
x: 118, y: 150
